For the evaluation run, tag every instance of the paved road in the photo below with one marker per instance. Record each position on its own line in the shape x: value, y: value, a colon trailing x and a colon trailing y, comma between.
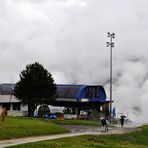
x: 83, y: 131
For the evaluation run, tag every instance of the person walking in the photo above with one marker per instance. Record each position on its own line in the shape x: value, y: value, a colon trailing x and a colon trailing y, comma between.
x: 104, y: 124
x: 122, y: 121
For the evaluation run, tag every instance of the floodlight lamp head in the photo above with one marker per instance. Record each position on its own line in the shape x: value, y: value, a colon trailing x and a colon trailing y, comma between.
x: 108, y: 34
x: 108, y: 44
x: 113, y: 35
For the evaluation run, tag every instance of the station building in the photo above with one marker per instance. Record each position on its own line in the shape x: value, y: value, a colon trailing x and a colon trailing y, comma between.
x: 76, y: 97
x: 83, y: 97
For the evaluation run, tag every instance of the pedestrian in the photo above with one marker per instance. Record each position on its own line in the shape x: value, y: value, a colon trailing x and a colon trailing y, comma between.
x: 122, y: 121
x: 3, y: 114
x: 104, y: 124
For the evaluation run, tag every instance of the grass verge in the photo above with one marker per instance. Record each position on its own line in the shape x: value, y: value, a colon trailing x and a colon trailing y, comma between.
x: 76, y: 122
x: 137, y: 139
x: 22, y: 127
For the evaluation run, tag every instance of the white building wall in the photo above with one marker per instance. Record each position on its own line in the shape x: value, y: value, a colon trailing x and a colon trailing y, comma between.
x: 24, y: 107
x: 17, y: 113
x: 12, y: 99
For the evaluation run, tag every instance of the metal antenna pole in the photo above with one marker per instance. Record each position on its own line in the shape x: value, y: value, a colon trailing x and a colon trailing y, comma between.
x: 111, y: 45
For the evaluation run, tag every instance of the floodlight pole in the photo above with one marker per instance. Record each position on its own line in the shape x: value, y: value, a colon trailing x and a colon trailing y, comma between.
x: 111, y: 45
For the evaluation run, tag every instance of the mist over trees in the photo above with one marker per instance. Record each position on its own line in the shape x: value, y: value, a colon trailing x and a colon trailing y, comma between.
x: 36, y: 86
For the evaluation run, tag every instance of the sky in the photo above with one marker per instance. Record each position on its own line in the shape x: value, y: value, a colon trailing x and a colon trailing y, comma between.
x: 68, y: 37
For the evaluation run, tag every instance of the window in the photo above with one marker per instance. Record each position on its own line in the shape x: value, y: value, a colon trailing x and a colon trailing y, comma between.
x: 16, y: 106
x: 7, y: 105
x: 92, y: 92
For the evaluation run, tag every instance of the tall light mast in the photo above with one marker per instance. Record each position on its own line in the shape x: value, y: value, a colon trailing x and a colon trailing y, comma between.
x: 111, y: 45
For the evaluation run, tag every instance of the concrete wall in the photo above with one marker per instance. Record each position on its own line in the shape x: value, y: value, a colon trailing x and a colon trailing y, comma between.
x: 17, y: 113
x: 22, y: 112
x: 24, y: 107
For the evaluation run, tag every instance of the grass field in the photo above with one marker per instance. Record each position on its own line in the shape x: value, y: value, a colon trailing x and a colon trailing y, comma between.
x: 137, y: 139
x: 22, y: 127
x: 77, y: 122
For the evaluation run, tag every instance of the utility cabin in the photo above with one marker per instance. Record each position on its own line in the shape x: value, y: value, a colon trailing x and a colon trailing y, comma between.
x: 8, y: 100
x: 81, y: 98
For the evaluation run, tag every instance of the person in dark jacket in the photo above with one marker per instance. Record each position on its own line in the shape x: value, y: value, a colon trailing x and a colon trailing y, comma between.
x: 122, y: 121
x: 104, y: 123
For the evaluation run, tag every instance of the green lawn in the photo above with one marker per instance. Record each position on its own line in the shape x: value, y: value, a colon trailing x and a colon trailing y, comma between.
x: 22, y: 127
x: 137, y: 139
x: 76, y: 122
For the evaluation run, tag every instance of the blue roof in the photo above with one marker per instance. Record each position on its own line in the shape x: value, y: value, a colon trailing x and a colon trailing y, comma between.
x: 74, y: 93
x: 80, y: 93
x: 68, y: 91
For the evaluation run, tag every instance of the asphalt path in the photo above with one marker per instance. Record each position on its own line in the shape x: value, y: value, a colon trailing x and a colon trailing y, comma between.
x: 76, y: 130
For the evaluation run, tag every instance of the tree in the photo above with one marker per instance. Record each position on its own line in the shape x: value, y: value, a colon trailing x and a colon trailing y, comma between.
x: 36, y: 86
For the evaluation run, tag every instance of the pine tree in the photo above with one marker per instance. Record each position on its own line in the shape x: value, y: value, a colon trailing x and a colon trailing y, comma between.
x: 36, y: 86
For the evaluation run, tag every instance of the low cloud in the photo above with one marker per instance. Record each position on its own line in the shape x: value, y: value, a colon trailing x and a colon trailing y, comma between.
x: 68, y: 37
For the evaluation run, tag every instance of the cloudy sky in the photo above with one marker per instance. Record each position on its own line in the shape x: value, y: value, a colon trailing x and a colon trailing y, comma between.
x: 69, y: 38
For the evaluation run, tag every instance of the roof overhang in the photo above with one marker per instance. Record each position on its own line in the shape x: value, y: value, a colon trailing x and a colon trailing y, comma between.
x: 8, y: 99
